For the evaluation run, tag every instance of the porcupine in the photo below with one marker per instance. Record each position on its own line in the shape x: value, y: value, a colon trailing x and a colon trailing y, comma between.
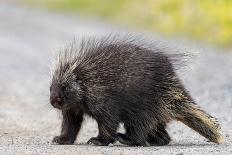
x: 123, y: 81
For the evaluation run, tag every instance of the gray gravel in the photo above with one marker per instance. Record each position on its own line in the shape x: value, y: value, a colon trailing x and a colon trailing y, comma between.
x: 28, y: 122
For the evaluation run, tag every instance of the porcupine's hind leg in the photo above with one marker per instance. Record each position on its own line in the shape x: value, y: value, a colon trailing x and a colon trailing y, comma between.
x: 107, y: 133
x: 134, y: 136
x: 159, y: 136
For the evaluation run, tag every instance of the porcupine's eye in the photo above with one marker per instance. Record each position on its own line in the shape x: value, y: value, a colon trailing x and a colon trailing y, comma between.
x: 63, y: 88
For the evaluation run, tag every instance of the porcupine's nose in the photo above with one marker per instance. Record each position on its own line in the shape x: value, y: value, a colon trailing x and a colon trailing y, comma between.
x: 56, y: 101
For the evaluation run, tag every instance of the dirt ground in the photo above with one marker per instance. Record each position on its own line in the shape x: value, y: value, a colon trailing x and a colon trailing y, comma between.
x: 27, y: 121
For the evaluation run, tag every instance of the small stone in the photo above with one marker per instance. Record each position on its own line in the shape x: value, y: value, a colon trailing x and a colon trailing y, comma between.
x: 111, y: 144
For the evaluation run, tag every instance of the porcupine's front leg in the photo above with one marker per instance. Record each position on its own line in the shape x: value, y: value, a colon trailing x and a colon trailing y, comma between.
x: 107, y: 134
x: 71, y: 125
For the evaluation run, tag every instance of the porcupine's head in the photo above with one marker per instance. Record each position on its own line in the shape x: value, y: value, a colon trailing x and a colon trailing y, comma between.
x: 66, y: 89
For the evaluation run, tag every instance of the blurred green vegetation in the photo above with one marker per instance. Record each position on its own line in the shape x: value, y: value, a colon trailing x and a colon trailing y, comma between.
x: 203, y: 20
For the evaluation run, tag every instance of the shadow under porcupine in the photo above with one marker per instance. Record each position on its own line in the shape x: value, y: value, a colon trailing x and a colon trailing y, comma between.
x: 123, y: 81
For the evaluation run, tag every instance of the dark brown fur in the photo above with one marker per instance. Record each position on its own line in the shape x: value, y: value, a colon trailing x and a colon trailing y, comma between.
x: 121, y: 81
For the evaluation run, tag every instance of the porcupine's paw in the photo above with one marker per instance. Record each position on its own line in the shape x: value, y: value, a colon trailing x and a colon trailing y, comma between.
x: 99, y: 141
x: 158, y: 141
x: 160, y: 138
x: 63, y: 140
x: 95, y: 141
x: 124, y: 139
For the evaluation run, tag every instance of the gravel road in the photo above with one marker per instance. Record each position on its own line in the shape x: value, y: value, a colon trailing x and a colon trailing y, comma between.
x: 27, y: 121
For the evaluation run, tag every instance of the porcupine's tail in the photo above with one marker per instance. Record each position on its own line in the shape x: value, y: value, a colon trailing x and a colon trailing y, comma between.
x: 191, y: 115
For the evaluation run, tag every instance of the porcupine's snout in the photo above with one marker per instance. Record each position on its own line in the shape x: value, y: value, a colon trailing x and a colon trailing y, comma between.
x: 56, y: 100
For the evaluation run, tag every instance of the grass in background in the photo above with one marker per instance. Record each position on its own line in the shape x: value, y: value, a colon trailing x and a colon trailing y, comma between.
x: 203, y: 20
